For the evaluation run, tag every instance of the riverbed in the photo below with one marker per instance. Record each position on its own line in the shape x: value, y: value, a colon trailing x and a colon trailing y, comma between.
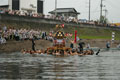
x: 105, y: 66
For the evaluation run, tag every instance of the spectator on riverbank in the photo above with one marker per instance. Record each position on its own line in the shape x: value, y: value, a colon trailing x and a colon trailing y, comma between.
x: 21, y: 34
x: 54, y: 17
x: 2, y: 40
x: 4, y: 28
x: 43, y: 35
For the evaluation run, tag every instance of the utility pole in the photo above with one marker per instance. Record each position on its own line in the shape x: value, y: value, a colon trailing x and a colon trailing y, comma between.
x: 89, y: 10
x: 106, y: 11
x: 55, y: 7
x: 101, y: 6
x: 105, y: 17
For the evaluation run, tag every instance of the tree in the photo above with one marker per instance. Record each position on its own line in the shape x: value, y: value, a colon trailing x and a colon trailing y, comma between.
x: 103, y: 20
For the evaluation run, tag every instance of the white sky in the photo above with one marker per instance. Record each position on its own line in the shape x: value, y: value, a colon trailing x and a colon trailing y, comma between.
x: 82, y: 6
x: 3, y: 2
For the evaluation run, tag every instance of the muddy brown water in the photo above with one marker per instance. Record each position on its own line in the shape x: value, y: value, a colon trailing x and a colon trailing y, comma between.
x: 105, y: 66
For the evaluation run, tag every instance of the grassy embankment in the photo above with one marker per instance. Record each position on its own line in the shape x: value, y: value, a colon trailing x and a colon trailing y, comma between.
x: 83, y: 33
x: 94, y: 33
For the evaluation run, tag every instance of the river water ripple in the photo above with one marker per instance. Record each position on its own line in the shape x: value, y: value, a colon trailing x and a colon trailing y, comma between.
x: 105, y: 66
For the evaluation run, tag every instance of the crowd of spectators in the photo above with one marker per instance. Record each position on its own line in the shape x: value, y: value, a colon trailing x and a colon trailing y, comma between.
x: 7, y: 34
x: 38, y: 15
x: 20, y: 13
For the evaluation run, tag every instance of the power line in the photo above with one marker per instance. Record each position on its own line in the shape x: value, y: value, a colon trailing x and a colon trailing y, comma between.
x: 86, y: 12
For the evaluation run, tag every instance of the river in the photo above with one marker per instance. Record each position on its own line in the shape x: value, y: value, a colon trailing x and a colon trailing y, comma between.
x: 105, y: 66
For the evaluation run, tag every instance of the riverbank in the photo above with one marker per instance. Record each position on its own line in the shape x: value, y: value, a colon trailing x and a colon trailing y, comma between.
x: 94, y: 35
x: 17, y: 46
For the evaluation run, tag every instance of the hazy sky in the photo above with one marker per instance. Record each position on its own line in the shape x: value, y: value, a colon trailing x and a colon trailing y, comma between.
x: 81, y: 6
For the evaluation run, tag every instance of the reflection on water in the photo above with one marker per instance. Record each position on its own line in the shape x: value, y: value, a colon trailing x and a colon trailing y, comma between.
x: 105, y: 66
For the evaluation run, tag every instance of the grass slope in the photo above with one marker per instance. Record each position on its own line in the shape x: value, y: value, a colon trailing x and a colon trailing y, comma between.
x: 83, y: 32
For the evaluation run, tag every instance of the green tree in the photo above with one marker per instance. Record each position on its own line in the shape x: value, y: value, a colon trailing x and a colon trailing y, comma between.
x: 103, y: 20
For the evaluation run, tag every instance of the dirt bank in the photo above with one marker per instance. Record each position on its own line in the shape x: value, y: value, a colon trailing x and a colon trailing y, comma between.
x: 16, y: 46
x: 101, y: 43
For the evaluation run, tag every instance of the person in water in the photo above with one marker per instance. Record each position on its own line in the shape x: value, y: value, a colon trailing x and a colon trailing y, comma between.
x: 88, y: 46
x: 118, y: 46
x: 33, y: 45
x: 108, y: 45
x: 81, y: 47
x: 72, y: 45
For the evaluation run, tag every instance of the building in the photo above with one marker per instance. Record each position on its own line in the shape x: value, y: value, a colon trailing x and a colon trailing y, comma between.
x: 26, y: 5
x: 66, y: 12
x: 3, y: 6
